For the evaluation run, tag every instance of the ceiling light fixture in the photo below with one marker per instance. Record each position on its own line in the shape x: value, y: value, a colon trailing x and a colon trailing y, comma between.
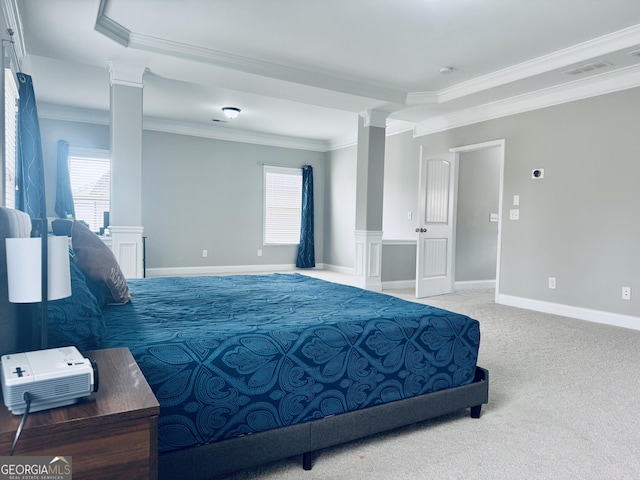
x: 231, y: 112
x: 445, y: 70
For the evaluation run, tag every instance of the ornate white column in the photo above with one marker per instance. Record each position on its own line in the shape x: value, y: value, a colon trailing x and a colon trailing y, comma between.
x: 126, y: 167
x: 369, y: 186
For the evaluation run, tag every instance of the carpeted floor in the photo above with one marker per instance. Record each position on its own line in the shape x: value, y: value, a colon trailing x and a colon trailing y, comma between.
x: 564, y: 402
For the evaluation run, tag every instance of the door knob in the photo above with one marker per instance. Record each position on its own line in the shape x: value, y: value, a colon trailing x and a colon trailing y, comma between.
x: 421, y: 230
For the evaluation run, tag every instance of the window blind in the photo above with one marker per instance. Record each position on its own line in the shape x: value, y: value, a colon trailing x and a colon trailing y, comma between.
x: 282, y: 205
x: 90, y: 186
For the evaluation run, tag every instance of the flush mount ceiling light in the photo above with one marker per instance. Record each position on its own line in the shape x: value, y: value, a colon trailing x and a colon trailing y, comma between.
x: 231, y: 112
x: 445, y: 70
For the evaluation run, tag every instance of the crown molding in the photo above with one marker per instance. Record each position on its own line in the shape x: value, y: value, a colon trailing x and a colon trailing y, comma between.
x: 137, y: 41
x: 234, y: 135
x: 584, y: 51
x: 110, y: 28
x: 602, y: 84
x: 64, y: 113
x: 101, y: 117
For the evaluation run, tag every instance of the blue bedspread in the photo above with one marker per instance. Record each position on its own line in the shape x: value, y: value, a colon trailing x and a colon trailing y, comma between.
x: 229, y: 355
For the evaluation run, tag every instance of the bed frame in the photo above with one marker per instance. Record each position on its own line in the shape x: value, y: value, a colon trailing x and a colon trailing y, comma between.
x: 210, y: 460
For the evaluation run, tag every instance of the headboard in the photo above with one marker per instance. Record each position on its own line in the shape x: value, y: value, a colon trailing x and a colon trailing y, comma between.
x: 13, y: 223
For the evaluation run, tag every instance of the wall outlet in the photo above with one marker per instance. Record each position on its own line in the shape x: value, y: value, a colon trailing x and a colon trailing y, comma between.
x: 259, y: 252
x: 626, y: 293
x: 204, y: 253
x: 552, y: 282
x: 514, y: 214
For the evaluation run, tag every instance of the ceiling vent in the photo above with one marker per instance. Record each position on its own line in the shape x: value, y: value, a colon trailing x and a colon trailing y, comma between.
x: 587, y: 68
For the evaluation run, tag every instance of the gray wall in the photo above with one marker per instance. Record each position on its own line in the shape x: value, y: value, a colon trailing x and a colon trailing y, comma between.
x: 198, y: 194
x: 340, y: 208
x: 478, y: 197
x: 202, y: 194
x: 580, y: 223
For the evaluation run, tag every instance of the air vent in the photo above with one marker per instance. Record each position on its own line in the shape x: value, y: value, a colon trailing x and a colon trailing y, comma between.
x: 588, y: 68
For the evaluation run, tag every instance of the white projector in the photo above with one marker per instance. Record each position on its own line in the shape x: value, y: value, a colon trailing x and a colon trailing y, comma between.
x: 53, y: 378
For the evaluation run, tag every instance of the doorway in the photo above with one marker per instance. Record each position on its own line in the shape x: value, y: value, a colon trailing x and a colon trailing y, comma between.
x: 476, y: 230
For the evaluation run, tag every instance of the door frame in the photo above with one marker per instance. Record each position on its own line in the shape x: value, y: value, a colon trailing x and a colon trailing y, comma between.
x: 500, y: 144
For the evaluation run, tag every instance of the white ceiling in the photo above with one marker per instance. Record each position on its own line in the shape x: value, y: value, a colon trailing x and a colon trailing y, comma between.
x: 302, y: 70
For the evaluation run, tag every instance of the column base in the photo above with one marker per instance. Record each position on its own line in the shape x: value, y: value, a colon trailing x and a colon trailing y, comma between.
x: 368, y: 260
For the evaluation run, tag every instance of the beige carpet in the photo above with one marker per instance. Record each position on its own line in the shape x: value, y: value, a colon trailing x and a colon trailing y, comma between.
x: 564, y: 402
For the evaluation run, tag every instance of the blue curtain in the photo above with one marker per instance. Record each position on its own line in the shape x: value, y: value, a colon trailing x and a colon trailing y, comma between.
x: 30, y: 195
x: 64, y: 196
x: 306, y: 250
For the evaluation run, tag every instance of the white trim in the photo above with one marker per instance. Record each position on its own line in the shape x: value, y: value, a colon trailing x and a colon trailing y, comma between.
x: 500, y: 143
x: 399, y: 285
x: 375, y: 118
x: 223, y: 270
x: 110, y: 28
x: 339, y: 269
x: 410, y: 242
x: 89, y: 152
x: 234, y: 135
x: 474, y: 285
x: 605, y: 44
x: 125, y: 74
x: 318, y: 79
x: 596, y: 316
x: 608, y: 82
x: 478, y: 146
x: 51, y: 111
x: 368, y: 259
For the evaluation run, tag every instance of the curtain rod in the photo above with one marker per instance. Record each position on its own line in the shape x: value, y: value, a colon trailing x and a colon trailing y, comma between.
x: 13, y: 46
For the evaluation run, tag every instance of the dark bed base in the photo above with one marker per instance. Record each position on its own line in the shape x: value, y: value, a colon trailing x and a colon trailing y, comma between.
x: 208, y: 461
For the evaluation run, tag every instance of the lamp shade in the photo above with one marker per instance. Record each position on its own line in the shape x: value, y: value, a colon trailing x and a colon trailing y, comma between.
x: 24, y: 269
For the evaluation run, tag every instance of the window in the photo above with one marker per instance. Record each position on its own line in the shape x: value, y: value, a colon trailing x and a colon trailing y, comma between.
x: 10, y: 125
x: 90, y: 176
x: 282, y: 205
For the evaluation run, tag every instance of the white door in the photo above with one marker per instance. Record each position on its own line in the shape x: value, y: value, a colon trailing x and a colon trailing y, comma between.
x: 434, y: 255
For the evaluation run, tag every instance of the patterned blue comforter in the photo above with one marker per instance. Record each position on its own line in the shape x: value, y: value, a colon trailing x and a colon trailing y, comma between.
x: 226, y: 356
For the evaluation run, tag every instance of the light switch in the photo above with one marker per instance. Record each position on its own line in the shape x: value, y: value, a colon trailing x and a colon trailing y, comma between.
x: 516, y: 200
x: 493, y: 217
x: 514, y: 214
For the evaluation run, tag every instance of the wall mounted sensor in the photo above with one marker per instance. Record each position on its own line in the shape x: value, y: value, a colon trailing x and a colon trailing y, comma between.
x: 537, y: 173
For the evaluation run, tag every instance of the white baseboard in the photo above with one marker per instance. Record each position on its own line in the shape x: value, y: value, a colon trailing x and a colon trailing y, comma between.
x: 399, y: 284
x: 597, y: 316
x: 222, y: 270
x: 336, y: 268
x: 474, y: 285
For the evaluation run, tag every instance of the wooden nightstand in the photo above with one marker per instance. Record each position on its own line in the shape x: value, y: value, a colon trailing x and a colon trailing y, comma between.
x: 111, y: 434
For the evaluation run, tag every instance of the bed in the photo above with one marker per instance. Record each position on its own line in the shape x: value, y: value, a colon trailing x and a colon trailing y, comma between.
x: 253, y: 368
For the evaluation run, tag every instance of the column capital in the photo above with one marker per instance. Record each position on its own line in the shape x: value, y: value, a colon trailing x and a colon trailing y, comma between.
x: 375, y: 118
x: 126, y: 74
